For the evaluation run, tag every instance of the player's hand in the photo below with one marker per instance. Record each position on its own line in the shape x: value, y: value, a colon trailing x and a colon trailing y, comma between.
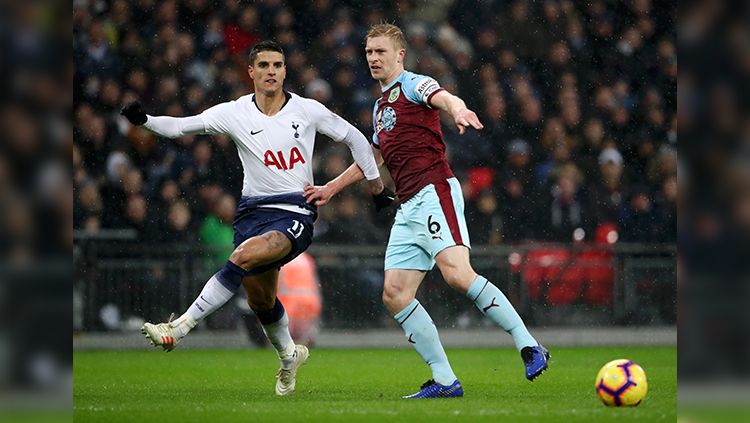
x: 134, y: 112
x: 465, y: 118
x: 318, y: 195
x: 384, y: 199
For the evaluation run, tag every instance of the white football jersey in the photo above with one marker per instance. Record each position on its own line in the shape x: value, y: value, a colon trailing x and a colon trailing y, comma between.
x: 276, y: 151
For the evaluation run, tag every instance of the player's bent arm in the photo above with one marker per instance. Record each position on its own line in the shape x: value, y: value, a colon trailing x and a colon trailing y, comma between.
x: 354, y: 174
x: 174, y: 127
x: 381, y: 195
x: 363, y: 158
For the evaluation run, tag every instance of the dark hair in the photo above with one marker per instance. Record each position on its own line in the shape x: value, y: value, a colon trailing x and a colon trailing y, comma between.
x: 266, y: 45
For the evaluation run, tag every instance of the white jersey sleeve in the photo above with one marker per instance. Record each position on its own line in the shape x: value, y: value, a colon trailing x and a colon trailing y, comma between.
x: 326, y: 122
x: 174, y: 127
x: 217, y: 119
x: 213, y: 120
x: 339, y: 130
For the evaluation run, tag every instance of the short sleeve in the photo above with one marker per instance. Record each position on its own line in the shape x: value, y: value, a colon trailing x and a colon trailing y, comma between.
x: 419, y: 88
x: 375, y: 141
x: 217, y: 119
x: 326, y: 122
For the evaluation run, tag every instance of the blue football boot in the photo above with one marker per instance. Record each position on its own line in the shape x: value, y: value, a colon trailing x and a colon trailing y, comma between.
x: 535, y: 359
x: 432, y: 389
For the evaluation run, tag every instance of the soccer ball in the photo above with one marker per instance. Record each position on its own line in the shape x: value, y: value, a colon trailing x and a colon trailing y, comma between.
x: 621, y: 383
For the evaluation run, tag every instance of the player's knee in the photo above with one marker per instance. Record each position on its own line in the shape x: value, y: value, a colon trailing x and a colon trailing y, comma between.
x: 458, y: 278
x: 393, y: 295
x: 242, y: 257
x: 262, y: 249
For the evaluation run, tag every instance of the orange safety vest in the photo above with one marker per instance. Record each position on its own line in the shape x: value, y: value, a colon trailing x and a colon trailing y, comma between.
x: 299, y: 290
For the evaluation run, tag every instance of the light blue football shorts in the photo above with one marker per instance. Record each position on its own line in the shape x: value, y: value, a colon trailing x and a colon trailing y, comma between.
x: 429, y: 222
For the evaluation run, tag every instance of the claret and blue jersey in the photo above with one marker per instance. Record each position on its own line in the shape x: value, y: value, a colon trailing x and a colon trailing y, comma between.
x: 407, y: 132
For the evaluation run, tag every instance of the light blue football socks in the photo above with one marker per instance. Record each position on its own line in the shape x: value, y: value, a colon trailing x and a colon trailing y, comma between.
x: 421, y: 332
x: 493, y: 304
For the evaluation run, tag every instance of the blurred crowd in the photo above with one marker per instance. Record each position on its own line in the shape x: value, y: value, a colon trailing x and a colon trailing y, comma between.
x: 714, y: 243
x: 36, y: 237
x: 578, y: 100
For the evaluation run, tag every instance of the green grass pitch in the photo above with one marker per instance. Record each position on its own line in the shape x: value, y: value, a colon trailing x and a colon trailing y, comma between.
x: 358, y: 385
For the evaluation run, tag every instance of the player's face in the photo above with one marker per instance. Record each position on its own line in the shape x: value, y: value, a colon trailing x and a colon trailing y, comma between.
x: 384, y: 60
x: 268, y: 72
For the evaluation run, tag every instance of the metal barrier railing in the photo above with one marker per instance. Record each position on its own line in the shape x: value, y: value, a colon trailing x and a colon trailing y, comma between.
x: 550, y: 284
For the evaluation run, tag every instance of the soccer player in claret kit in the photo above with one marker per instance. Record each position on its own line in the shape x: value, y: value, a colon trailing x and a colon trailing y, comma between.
x: 430, y: 226
x: 275, y: 134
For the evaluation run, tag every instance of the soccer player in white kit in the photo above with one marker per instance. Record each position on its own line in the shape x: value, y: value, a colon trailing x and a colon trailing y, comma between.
x: 275, y: 134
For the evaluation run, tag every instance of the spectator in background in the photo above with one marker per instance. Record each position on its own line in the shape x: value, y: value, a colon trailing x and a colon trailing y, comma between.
x: 484, y: 214
x: 518, y: 210
x: 517, y: 193
x: 241, y: 32
x: 94, y: 141
x: 638, y: 221
x: 555, y: 133
x: 299, y: 289
x: 662, y: 167
x: 608, y: 192
x: 639, y: 151
x: 546, y: 170
x: 566, y: 208
x: 165, y: 193
x: 137, y: 217
x: 207, y: 193
x: 665, y: 205
x: 112, y: 190
x: 494, y: 118
x: 216, y: 233
x: 204, y: 163
x: 593, y: 143
x: 518, y: 165
x: 88, y: 207
x: 529, y: 121
x: 95, y: 55
x: 132, y: 182
x: 19, y: 230
x: 176, y: 228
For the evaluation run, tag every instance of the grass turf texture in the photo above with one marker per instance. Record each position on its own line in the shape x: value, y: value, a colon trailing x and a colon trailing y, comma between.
x: 358, y: 385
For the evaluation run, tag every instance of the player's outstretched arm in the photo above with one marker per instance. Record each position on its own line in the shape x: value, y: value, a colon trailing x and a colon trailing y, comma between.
x: 456, y: 107
x: 165, y: 126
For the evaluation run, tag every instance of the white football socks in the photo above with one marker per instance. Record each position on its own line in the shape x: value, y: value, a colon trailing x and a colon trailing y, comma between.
x: 281, y: 339
x: 213, y: 296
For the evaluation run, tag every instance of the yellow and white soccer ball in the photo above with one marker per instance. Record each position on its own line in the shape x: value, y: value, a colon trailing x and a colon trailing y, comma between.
x: 621, y: 383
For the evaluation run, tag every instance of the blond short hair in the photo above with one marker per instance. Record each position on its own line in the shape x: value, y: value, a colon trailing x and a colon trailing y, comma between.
x: 388, y: 30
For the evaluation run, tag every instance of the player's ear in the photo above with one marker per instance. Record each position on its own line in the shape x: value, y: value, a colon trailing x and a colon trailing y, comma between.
x: 401, y: 55
x: 250, y: 71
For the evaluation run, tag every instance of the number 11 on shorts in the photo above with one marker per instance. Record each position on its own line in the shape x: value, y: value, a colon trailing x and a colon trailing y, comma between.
x: 296, y: 229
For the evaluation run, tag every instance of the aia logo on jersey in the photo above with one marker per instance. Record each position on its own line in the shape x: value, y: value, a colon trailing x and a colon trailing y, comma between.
x: 278, y: 160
